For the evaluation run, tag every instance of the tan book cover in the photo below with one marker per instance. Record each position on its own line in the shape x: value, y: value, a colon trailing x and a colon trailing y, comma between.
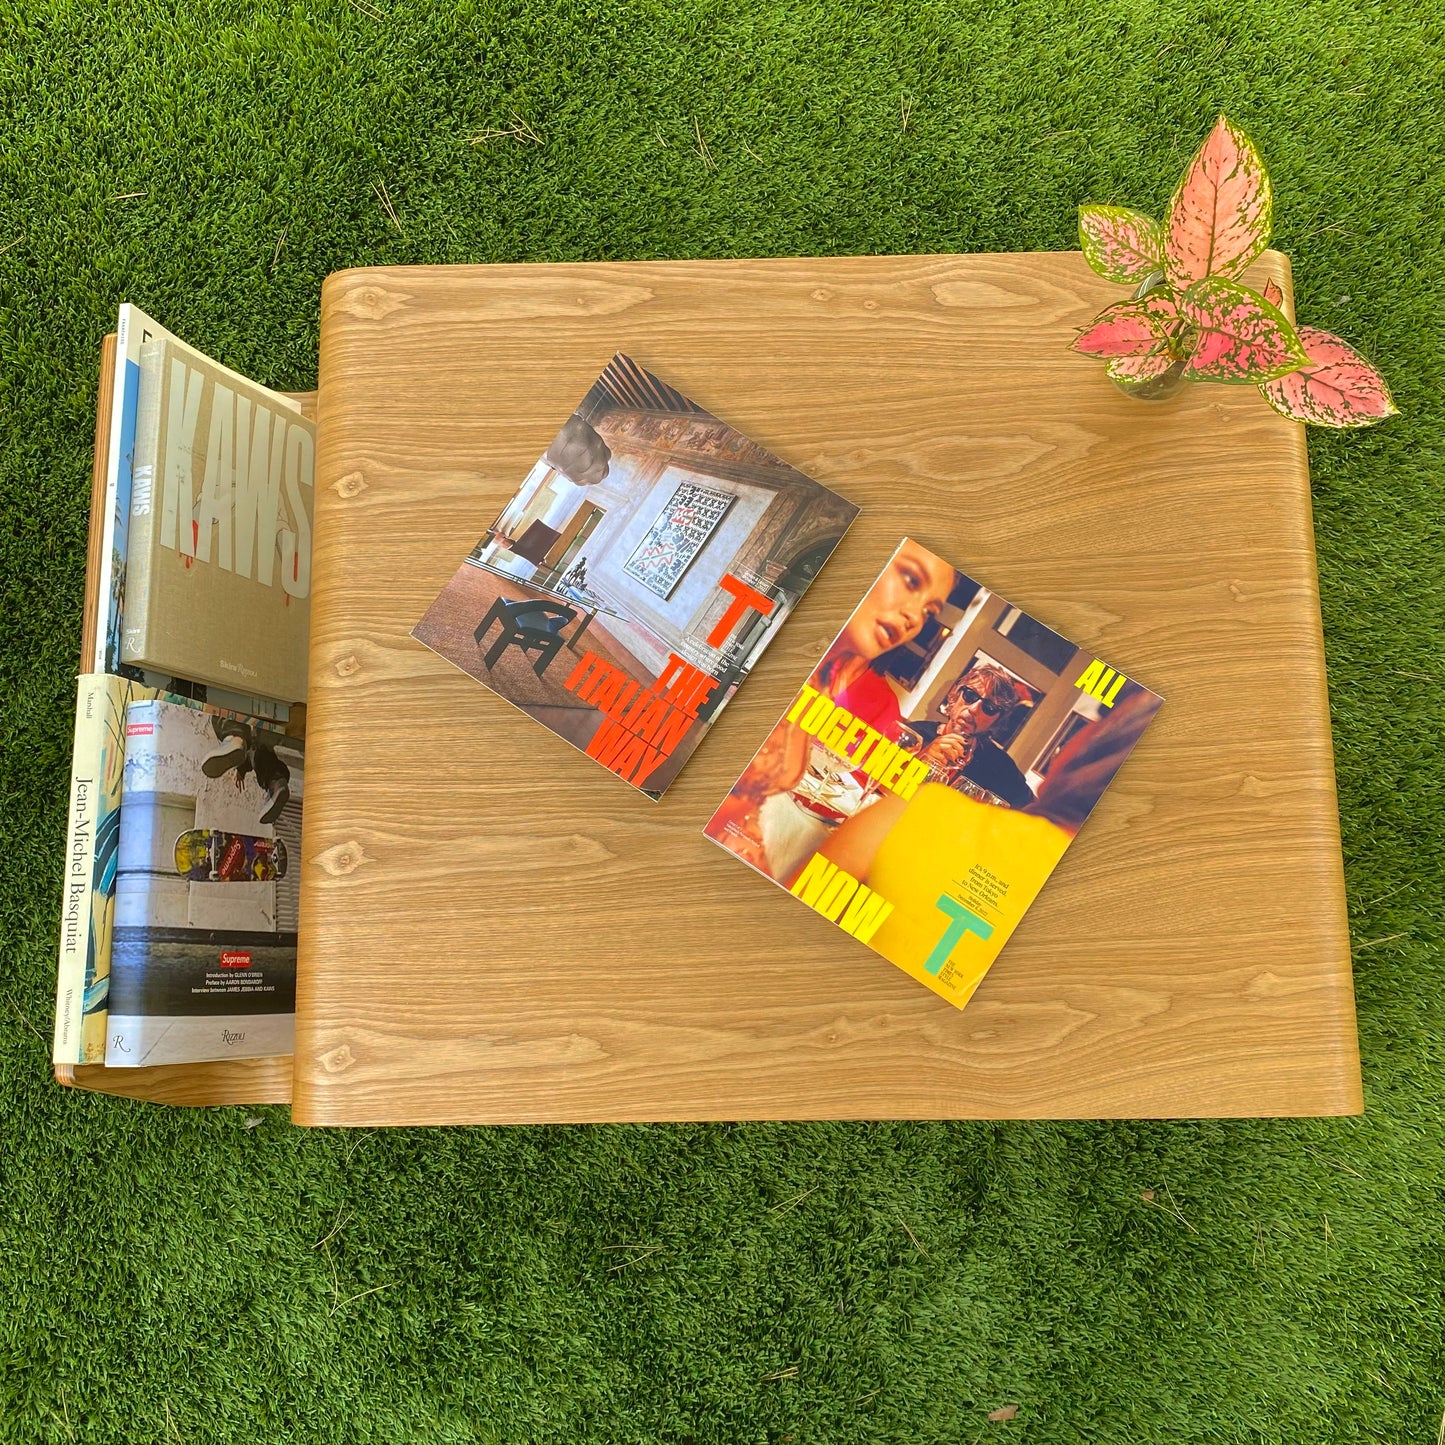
x: 219, y: 554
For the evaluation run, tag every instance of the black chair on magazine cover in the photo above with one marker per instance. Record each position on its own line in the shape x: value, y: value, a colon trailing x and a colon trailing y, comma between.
x: 532, y: 626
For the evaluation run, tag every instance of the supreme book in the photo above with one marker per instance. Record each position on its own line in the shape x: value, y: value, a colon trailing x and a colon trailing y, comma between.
x: 926, y: 779
x: 630, y: 584
x: 203, y: 957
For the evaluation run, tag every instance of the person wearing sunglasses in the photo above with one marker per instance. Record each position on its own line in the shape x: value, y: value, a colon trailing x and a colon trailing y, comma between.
x: 980, y: 701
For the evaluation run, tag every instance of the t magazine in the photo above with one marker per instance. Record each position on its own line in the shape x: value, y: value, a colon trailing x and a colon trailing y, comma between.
x: 629, y: 586
x: 926, y: 779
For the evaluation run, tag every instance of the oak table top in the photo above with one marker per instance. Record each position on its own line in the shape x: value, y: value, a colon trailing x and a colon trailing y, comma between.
x: 494, y: 929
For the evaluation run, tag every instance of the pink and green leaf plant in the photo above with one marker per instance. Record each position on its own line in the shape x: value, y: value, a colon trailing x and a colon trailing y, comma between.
x: 1192, y: 316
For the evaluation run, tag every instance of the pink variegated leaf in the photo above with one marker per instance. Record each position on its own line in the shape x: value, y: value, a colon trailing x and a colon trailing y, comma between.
x: 1139, y: 368
x: 1129, y: 328
x: 1219, y: 217
x: 1120, y: 245
x: 1274, y: 295
x: 1120, y: 330
x: 1337, y: 387
x: 1241, y: 337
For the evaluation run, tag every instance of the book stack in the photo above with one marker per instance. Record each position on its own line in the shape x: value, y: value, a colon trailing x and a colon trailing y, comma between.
x: 180, y: 914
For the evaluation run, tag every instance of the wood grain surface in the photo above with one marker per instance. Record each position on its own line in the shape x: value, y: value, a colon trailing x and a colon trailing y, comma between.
x: 496, y: 929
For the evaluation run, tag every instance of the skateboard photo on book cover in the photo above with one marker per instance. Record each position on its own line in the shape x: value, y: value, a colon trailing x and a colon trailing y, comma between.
x: 928, y: 776
x: 203, y: 960
x: 633, y: 580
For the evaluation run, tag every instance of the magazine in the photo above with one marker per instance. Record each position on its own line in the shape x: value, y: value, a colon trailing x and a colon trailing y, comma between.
x: 207, y: 888
x: 631, y: 583
x: 923, y: 783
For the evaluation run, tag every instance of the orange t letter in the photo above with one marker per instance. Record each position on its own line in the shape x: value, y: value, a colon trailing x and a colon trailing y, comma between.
x: 745, y: 599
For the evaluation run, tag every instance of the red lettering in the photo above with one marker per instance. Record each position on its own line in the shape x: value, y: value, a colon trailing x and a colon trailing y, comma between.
x: 574, y: 678
x: 607, y: 742
x: 745, y: 599
x: 672, y: 732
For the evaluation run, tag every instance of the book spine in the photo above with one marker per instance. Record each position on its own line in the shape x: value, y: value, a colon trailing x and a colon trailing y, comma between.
x: 117, y: 492
x: 144, y: 498
x: 90, y: 620
x: 126, y: 1036
x: 79, y: 971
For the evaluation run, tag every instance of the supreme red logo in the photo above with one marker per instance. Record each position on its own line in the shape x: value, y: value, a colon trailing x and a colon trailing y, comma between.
x: 139, y: 730
x: 237, y: 958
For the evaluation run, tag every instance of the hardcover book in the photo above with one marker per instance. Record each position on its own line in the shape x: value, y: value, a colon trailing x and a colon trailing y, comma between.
x: 633, y: 580
x: 218, y: 573
x: 931, y: 772
x: 203, y: 958
x: 93, y: 833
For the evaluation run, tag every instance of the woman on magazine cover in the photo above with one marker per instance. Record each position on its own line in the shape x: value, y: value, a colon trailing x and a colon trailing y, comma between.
x: 761, y: 823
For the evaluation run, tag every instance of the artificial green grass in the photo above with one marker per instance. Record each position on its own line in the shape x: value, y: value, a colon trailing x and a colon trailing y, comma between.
x: 197, y: 1276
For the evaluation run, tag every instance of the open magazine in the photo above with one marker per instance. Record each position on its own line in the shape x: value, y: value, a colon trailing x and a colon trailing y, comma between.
x: 631, y: 583
x: 930, y: 773
x: 203, y: 962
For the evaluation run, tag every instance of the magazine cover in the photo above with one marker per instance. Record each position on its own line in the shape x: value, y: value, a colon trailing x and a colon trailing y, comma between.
x: 931, y: 772
x: 635, y: 577
x: 219, y: 546
x: 136, y: 331
x: 203, y: 957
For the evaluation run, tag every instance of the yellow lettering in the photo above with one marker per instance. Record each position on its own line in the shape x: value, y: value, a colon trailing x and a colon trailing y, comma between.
x: 882, y: 758
x: 809, y: 884
x: 841, y: 898
x: 804, y: 698
x: 838, y: 727
x: 911, y: 777
x: 865, y: 915
x: 841, y: 887
x: 817, y: 714
x: 859, y: 732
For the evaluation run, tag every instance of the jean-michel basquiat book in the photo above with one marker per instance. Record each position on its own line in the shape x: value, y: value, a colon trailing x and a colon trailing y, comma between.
x: 926, y: 779
x: 93, y: 833
x: 203, y: 957
x: 630, y: 584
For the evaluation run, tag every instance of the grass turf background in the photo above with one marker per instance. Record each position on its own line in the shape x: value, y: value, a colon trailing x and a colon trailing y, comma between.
x: 182, y: 1276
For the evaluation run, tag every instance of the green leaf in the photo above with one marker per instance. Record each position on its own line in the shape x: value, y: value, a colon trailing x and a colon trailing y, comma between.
x: 1242, y: 339
x: 1119, y: 244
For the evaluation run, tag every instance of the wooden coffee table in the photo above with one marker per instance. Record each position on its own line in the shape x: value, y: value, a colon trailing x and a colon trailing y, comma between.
x: 496, y: 929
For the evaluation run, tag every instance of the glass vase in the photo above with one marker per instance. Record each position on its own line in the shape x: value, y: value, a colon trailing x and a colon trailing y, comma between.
x: 1153, y: 388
